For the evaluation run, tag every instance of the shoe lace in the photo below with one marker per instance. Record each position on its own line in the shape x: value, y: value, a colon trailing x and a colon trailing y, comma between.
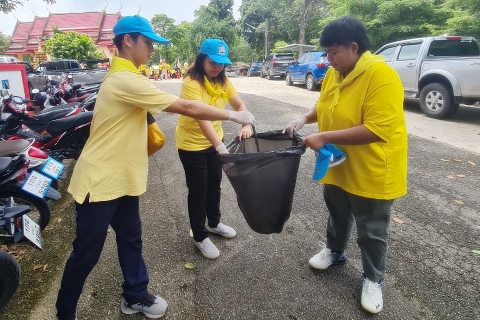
x: 148, y: 301
x: 371, y: 287
x: 325, y: 251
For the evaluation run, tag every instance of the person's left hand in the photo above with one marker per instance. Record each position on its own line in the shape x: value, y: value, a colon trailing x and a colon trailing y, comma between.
x: 245, y: 133
x: 314, y: 141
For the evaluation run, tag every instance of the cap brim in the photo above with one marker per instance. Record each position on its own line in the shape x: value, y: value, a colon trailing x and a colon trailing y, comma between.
x: 220, y: 59
x: 155, y: 37
x: 321, y: 165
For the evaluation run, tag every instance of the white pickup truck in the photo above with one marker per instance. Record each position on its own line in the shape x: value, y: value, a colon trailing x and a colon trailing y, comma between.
x: 441, y: 71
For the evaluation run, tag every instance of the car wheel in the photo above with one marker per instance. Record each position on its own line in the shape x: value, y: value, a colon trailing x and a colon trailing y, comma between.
x: 269, y: 76
x: 288, y: 79
x: 436, y: 101
x: 310, y: 83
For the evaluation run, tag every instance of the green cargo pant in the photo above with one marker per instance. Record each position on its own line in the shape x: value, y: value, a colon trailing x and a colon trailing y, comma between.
x: 372, y: 217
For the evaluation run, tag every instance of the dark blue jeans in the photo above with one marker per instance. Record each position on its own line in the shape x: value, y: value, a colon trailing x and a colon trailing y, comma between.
x: 93, y: 220
x: 203, y: 173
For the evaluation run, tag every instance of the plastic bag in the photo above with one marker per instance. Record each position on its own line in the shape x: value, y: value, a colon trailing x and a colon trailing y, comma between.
x: 263, y: 173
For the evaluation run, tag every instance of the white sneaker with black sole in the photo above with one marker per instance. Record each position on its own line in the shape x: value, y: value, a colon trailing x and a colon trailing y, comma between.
x: 208, y: 249
x: 223, y: 230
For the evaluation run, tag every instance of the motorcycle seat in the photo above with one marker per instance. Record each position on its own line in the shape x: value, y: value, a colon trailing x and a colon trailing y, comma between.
x: 5, y: 162
x: 45, y: 117
x: 13, y: 146
x: 59, y: 126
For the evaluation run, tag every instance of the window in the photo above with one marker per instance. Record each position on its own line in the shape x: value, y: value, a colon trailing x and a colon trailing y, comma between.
x: 387, y: 53
x: 409, y: 52
x: 303, y: 58
x: 452, y: 48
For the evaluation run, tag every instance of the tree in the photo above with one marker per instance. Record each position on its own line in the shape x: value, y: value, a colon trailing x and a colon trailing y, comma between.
x: 71, y: 45
x: 390, y: 20
x: 465, y: 20
x: 214, y: 20
x: 7, y: 6
x: 242, y: 51
x: 4, y: 43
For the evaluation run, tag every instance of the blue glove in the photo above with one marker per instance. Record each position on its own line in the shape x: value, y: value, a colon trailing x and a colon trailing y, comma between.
x: 328, y: 156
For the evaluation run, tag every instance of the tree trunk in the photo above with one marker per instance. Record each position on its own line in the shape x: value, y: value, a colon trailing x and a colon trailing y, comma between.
x: 303, y: 20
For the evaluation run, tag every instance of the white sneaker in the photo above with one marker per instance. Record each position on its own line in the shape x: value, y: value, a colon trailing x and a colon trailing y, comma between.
x: 372, y: 299
x: 208, y: 249
x: 223, y: 230
x: 152, y: 307
x: 325, y: 258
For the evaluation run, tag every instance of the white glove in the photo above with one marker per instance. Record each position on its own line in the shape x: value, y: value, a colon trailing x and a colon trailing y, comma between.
x: 295, y: 125
x: 221, y: 149
x: 242, y: 117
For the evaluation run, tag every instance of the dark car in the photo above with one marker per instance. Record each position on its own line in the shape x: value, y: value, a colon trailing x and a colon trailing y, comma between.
x: 254, y: 69
x: 310, y: 69
x: 275, y: 64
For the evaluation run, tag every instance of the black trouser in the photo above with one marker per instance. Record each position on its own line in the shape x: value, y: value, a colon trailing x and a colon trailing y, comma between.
x: 93, y: 220
x: 372, y: 217
x: 203, y: 173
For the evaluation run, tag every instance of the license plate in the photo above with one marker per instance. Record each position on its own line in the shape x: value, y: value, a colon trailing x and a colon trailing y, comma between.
x: 37, y: 184
x: 53, y: 168
x: 31, y: 231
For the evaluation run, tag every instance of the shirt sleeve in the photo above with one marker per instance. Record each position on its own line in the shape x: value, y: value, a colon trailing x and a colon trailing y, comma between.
x: 230, y: 89
x: 142, y: 93
x: 383, y: 109
x: 191, y: 90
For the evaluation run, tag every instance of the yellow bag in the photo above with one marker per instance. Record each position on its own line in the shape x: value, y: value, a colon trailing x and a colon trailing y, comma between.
x: 156, y: 138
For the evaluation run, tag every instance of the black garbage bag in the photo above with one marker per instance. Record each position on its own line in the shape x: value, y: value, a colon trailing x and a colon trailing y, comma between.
x: 263, y: 172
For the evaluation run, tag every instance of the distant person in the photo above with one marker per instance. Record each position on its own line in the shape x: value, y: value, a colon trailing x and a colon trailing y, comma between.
x: 163, y: 70
x: 360, y: 110
x: 199, y: 141
x: 112, y: 171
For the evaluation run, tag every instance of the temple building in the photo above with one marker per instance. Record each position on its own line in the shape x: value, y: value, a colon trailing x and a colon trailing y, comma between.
x: 28, y: 37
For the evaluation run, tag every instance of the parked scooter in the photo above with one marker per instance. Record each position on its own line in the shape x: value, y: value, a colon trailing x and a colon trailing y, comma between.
x: 16, y: 224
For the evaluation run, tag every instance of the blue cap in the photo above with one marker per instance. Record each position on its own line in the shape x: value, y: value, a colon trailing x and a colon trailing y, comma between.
x: 136, y: 23
x: 328, y: 156
x: 216, y: 49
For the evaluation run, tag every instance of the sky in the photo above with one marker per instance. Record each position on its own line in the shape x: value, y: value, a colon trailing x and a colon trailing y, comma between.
x: 180, y: 10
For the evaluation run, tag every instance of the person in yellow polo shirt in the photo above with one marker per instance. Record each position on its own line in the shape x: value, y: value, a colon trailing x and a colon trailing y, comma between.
x: 199, y: 141
x: 360, y: 110
x: 112, y: 170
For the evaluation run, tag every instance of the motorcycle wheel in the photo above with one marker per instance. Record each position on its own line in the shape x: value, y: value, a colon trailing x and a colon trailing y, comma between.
x: 39, y: 208
x: 9, y: 277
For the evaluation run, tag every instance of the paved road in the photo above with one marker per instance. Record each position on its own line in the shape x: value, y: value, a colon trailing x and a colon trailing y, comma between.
x: 432, y: 272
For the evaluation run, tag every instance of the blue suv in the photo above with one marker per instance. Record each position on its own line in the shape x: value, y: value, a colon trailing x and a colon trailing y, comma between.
x: 310, y: 69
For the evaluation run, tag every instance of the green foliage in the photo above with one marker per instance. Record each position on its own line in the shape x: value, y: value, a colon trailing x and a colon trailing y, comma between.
x: 7, y: 6
x: 242, y: 51
x: 71, y: 45
x: 214, y: 21
x: 277, y: 45
x: 390, y: 20
x: 466, y: 17
x: 4, y: 43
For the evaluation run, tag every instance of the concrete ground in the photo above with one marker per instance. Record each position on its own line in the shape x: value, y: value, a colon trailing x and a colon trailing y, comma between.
x: 432, y: 272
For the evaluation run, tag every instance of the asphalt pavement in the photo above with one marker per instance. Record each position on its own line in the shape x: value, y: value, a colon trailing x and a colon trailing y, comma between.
x: 432, y: 272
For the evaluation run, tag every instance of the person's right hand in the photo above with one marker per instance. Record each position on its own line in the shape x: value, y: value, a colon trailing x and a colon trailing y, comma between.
x: 242, y: 117
x: 295, y: 125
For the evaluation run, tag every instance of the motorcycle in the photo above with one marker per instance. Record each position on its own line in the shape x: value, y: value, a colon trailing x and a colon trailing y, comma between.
x: 16, y: 224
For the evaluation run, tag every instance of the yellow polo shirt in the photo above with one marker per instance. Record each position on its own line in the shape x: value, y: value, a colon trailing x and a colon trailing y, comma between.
x: 375, y: 99
x: 188, y: 134
x: 114, y: 161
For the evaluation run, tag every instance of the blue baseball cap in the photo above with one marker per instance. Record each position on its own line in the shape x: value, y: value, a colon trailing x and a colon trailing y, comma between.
x: 216, y: 49
x: 328, y: 156
x: 138, y: 24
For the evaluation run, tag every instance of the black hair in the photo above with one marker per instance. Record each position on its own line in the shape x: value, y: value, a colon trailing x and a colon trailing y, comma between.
x: 196, y: 72
x: 118, y: 40
x: 343, y: 31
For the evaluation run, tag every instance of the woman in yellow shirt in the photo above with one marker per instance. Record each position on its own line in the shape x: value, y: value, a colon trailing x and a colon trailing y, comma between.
x: 199, y: 141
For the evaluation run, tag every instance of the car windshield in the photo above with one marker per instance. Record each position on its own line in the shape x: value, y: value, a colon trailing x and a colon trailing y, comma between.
x: 256, y: 64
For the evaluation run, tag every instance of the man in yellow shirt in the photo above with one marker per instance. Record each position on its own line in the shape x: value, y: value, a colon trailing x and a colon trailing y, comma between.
x: 360, y: 110
x: 112, y: 170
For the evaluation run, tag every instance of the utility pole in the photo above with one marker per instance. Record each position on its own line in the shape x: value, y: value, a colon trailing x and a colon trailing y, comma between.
x: 266, y: 38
